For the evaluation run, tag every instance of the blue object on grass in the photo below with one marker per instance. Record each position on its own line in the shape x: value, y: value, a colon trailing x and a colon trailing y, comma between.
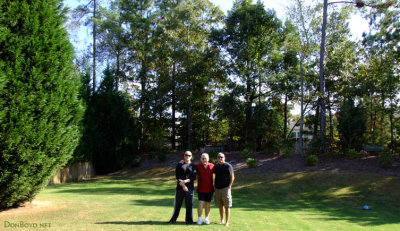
x: 366, y: 207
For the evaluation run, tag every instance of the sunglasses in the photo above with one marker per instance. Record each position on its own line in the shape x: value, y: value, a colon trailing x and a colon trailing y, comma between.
x: 187, y: 155
x: 220, y: 157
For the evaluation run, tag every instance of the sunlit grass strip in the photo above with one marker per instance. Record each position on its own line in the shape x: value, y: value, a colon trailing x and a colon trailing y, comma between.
x: 290, y: 201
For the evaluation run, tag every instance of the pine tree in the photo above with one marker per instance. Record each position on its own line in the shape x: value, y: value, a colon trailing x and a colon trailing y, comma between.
x: 38, y: 96
x: 110, y: 135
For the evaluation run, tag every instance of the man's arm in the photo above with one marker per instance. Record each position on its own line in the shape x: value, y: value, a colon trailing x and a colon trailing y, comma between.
x: 177, y: 172
x: 232, y: 178
x: 193, y: 174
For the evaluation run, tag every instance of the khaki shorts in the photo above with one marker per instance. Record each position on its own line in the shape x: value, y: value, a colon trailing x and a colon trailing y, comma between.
x: 223, y: 197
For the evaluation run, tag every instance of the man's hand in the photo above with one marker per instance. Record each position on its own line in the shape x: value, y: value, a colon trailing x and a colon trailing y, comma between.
x: 182, y: 184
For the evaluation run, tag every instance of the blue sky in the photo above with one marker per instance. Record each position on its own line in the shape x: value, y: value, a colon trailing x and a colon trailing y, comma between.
x: 357, y: 24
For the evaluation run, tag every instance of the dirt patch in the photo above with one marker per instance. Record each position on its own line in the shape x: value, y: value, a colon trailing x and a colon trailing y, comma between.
x: 279, y: 164
x: 33, y: 207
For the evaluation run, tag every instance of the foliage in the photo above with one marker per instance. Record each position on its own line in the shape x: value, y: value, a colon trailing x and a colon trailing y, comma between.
x: 109, y: 137
x: 271, y: 150
x: 352, y: 154
x: 379, y: 74
x: 161, y: 156
x: 286, y: 152
x: 386, y: 160
x: 40, y: 110
x: 251, y: 163
x: 248, y: 38
x: 312, y: 160
x: 351, y: 124
x: 213, y: 153
x: 136, y: 161
x: 230, y: 108
x: 267, y: 124
x: 197, y: 77
x: 245, y: 153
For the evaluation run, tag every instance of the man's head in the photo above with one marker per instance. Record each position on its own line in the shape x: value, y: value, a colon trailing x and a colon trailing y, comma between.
x: 204, y: 159
x: 221, y: 158
x: 188, y: 156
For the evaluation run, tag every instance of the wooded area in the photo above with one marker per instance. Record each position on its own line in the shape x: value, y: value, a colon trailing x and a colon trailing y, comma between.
x: 194, y: 77
x: 180, y: 74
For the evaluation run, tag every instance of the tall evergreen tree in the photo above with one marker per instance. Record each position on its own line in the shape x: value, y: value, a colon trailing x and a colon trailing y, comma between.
x: 110, y: 135
x: 38, y: 96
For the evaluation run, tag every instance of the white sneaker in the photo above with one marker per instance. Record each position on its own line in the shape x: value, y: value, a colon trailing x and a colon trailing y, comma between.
x: 206, y: 221
x: 199, y: 221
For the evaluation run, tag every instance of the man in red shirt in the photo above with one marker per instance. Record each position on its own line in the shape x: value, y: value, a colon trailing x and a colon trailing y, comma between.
x: 205, y: 187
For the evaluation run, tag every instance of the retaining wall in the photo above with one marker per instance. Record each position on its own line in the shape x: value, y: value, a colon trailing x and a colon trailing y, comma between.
x: 74, y: 172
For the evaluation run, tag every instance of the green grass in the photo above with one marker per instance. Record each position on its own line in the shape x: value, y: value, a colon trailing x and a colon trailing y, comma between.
x: 290, y: 201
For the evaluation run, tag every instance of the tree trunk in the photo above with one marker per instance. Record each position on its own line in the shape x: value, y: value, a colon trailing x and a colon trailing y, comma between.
x: 322, y: 79
x: 230, y: 134
x: 330, y: 122
x: 142, y: 76
x: 189, y: 116
x: 117, y: 79
x: 189, y: 121
x: 316, y: 120
x: 248, y: 111
x: 285, y: 114
x: 94, y: 47
x: 173, y: 133
x: 301, y: 106
x: 391, y: 127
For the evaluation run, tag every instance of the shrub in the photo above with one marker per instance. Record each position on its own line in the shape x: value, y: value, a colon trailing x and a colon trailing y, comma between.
x: 251, y: 163
x: 40, y: 109
x: 162, y: 156
x: 213, y: 160
x: 136, y: 161
x: 245, y: 153
x: 312, y: 160
x: 286, y: 152
x: 213, y: 153
x: 152, y: 155
x: 352, y: 154
x: 386, y: 160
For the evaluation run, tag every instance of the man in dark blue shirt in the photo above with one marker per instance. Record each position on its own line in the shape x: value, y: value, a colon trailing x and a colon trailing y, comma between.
x: 224, y: 178
x: 185, y: 175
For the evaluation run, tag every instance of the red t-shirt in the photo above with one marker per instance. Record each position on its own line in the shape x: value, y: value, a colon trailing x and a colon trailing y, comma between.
x: 205, y: 178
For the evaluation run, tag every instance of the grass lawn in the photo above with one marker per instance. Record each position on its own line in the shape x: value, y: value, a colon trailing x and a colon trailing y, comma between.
x: 289, y: 201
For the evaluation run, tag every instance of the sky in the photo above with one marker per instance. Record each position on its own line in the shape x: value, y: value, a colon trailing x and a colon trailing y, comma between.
x: 357, y: 24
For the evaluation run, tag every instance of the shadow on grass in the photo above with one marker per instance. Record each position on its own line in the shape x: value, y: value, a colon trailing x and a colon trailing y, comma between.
x: 328, y: 196
x: 333, y: 196
x: 139, y: 223
x: 101, y: 190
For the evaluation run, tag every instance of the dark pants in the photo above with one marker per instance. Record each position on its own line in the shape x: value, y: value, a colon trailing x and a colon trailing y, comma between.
x: 189, y: 198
